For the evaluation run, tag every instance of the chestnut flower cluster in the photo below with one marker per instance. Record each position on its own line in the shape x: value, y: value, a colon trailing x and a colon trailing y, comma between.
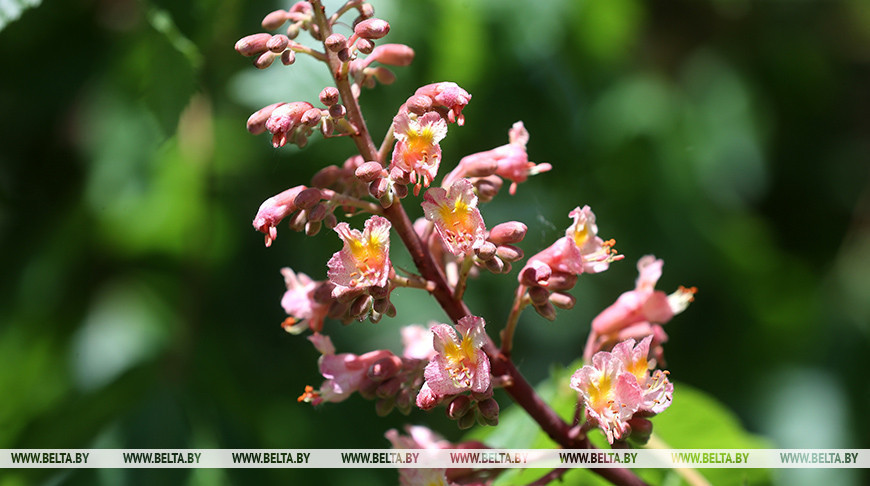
x: 454, y: 364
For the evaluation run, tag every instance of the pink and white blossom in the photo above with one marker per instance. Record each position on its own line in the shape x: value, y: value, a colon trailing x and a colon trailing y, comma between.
x: 460, y: 365
x: 657, y: 391
x: 456, y: 217
x: 298, y: 302
x: 417, y: 342
x: 364, y: 260
x: 417, y: 149
x: 274, y: 210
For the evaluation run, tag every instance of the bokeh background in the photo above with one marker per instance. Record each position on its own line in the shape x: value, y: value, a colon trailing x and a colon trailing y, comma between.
x: 139, y: 309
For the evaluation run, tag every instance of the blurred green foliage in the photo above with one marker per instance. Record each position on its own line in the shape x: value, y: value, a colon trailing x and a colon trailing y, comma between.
x: 138, y: 308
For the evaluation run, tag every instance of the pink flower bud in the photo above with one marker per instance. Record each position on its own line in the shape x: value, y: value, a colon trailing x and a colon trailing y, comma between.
x: 495, y: 265
x: 288, y: 57
x: 508, y: 233
x: 311, y: 117
x: 278, y: 43
x: 307, y: 198
x: 369, y: 171
x: 489, y: 411
x: 326, y: 176
x: 535, y: 273
x: 365, y: 46
x: 257, y: 122
x: 389, y: 388
x: 401, y: 190
x: 361, y: 306
x: 426, y: 399
x: 253, y: 44
x: 317, y: 213
x: 274, y: 20
x: 509, y: 253
x: 419, y: 105
x: 458, y: 407
x: 466, y: 421
x: 335, y: 42
x: 546, y: 310
x: 301, y: 7
x: 487, y: 187
x: 538, y: 295
x: 344, y: 54
x: 329, y: 96
x: 391, y: 54
x: 378, y: 188
x: 366, y: 10
x: 372, y: 28
x: 486, y: 251
x: 560, y: 281
x: 382, y: 74
x: 337, y: 111
x: 385, y: 368
x: 264, y: 60
x: 563, y: 300
x: 284, y: 119
x: 293, y: 30
x: 312, y: 228
x: 275, y: 209
x: 330, y: 220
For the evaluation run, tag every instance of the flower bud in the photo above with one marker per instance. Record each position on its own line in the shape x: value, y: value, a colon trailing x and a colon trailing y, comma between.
x: 459, y: 406
x: 641, y: 430
x: 563, y: 300
x: 366, y: 10
x: 335, y: 42
x: 317, y: 213
x: 427, y: 399
x: 361, y: 306
x: 384, y: 368
x: 400, y: 176
x: 489, y: 411
x: 538, y: 295
x: 343, y: 55
x: 400, y: 190
x: 330, y: 221
x: 369, y: 171
x: 297, y: 222
x: 293, y: 30
x: 257, y: 122
x: 381, y: 305
x: 487, y: 187
x: 419, y: 104
x: 278, y: 43
x: 336, y: 309
x: 372, y: 28
x: 391, y: 54
x: 486, y: 251
x: 253, y: 44
x: 509, y: 253
x: 466, y: 421
x: 495, y: 265
x: 312, y: 228
x: 384, y: 406
x: 535, y: 273
x: 326, y: 176
x: 307, y: 198
x: 264, y: 60
x: 378, y: 188
x: 389, y: 388
x: 288, y: 57
x: 311, y: 117
x: 390, y: 311
x: 327, y: 127
x: 560, y: 281
x: 274, y: 20
x: 547, y: 311
x: 404, y: 401
x: 323, y: 293
x: 329, y: 96
x: 382, y: 74
x: 365, y: 46
x: 337, y: 111
x: 508, y: 233
x: 368, y: 388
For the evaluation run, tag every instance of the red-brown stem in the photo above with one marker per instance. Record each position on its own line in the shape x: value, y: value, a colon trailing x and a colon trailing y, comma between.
x: 518, y: 388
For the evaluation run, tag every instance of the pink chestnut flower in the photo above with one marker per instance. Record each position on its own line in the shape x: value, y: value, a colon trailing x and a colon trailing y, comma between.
x: 284, y: 120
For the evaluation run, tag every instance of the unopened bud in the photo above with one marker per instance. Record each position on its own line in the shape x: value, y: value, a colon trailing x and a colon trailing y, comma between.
x: 323, y: 293
x: 288, y: 57
x: 335, y: 42
x: 257, y: 122
x: 312, y: 228
x: 264, y: 60
x: 329, y: 96
x: 535, y: 273
x: 368, y: 388
x: 507, y: 233
x: 382, y: 74
x: 489, y: 411
x: 297, y: 222
x: 336, y: 309
x: 366, y: 10
x: 538, y: 295
x: 466, y: 421
x: 372, y: 28
x: 401, y: 190
x: 419, y: 104
x: 326, y: 176
x: 318, y: 212
x: 384, y: 368
x: 278, y: 43
x: 253, y: 44
x: 390, y: 311
x: 563, y: 300
x: 392, y: 54
x: 378, y: 188
x: 400, y: 175
x: 487, y: 187
x: 365, y: 46
x: 311, y: 117
x: 404, y: 401
x: 509, y: 253
x: 547, y: 311
x: 459, y: 406
x: 486, y: 251
x: 314, y: 30
x: 293, y: 30
x: 369, y: 171
x: 330, y: 221
x: 384, y: 406
x: 495, y: 265
x: 561, y: 281
x: 361, y: 305
x: 274, y: 20
x: 343, y: 55
x: 327, y: 127
x: 389, y: 388
x: 337, y: 111
x: 641, y: 430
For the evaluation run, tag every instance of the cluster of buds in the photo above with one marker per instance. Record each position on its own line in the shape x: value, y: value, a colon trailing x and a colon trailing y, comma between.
x: 553, y: 271
x: 302, y: 205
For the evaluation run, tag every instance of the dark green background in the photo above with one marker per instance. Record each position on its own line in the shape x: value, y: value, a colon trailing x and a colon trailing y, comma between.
x: 139, y: 309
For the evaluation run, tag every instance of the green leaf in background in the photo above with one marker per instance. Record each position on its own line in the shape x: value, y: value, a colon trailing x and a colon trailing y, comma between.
x: 695, y: 420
